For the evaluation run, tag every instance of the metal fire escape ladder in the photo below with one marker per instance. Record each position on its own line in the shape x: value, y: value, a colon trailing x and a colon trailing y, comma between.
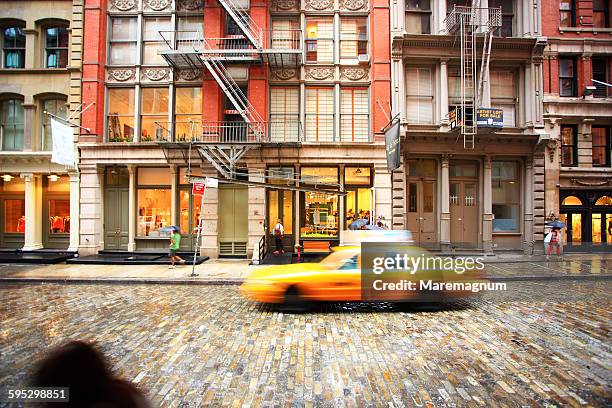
x: 249, y: 27
x: 467, y: 35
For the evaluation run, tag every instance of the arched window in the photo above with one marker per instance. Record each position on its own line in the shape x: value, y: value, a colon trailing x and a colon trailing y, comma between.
x: 571, y: 200
x: 57, y: 107
x: 11, y: 124
x: 604, y: 200
x: 13, y: 47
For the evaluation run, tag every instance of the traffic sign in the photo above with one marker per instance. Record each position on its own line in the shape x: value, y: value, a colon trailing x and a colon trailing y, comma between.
x: 198, y: 189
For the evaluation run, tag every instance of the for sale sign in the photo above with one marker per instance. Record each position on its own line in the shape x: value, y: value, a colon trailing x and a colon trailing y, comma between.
x: 198, y: 189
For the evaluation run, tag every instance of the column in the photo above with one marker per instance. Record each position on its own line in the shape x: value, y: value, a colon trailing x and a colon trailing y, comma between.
x: 445, y: 241
x: 528, y: 204
x: 209, y: 242
x: 487, y: 207
x: 33, y: 212
x: 441, y: 16
x: 383, y: 195
x: 527, y: 13
x: 529, y: 91
x: 341, y: 203
x: 443, y: 92
x: 256, y: 208
x: 398, y: 96
x: 174, y: 209
x: 31, y: 51
x: 75, y: 198
x: 29, y: 110
x: 132, y: 208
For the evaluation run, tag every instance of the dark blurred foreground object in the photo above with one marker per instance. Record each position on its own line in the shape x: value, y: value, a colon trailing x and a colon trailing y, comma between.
x: 83, y: 369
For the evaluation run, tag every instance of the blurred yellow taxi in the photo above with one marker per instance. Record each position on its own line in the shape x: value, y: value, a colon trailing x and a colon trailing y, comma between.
x: 337, y: 278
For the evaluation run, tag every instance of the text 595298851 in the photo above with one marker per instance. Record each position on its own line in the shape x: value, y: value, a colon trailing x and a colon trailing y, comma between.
x: 35, y: 394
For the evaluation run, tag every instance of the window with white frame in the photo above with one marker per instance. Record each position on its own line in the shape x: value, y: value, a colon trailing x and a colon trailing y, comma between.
x: 12, y: 124
x: 56, y: 107
x: 418, y: 16
x: 154, y: 113
x: 189, y: 28
x: 284, y: 113
x: 354, y: 115
x: 319, y: 126
x: 152, y: 39
x: 503, y: 95
x: 353, y: 38
x: 123, y: 40
x: 320, y: 39
x: 285, y: 34
x: 419, y: 95
x: 120, y: 118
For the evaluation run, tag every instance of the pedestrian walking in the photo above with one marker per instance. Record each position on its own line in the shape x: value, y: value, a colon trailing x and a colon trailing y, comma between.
x: 175, y: 242
x: 279, y: 231
x: 553, y: 242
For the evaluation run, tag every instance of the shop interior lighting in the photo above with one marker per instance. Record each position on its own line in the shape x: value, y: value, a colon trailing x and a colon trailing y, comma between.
x: 53, y: 177
x: 7, y: 177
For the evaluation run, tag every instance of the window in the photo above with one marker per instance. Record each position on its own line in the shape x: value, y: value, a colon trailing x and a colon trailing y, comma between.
x: 59, y: 216
x: 506, y: 196
x: 601, y: 14
x: 319, y: 218
x: 571, y: 200
x: 56, y: 47
x: 56, y: 107
x: 153, y: 200
x: 600, y: 73
x: 124, y: 33
x: 604, y: 200
x: 188, y: 108
x: 354, y: 115
x: 353, y: 38
x: 152, y: 39
x: 507, y: 9
x: 14, y: 216
x: 120, y: 114
x: 503, y: 95
x: 418, y: 16
x: 319, y: 124
x: 601, y: 146
x: 284, y: 114
x: 285, y: 34
x: 11, y: 124
x: 13, y: 47
x: 154, y: 107
x: 359, y: 195
x: 319, y: 40
x: 189, y: 27
x: 567, y: 13
x: 569, y: 147
x: 419, y: 95
x: 567, y: 77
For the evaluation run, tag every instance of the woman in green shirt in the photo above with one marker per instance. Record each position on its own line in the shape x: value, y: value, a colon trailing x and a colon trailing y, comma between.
x: 175, y: 242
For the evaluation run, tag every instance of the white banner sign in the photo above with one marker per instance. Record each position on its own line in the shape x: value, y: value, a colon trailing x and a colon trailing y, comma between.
x: 63, y: 143
x: 212, y: 182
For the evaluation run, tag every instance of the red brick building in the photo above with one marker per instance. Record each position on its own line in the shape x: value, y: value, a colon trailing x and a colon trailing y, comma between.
x: 290, y: 89
x: 578, y: 117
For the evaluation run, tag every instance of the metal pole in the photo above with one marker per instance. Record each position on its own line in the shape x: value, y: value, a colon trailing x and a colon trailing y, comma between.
x: 198, y: 234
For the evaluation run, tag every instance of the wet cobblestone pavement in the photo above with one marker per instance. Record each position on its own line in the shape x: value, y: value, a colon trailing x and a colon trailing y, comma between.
x: 189, y: 346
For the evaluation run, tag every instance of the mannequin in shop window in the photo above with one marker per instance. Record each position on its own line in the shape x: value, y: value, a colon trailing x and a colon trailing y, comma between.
x: 21, y: 224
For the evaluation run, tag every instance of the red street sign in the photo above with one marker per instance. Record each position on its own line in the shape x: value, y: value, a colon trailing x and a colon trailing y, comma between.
x: 198, y: 189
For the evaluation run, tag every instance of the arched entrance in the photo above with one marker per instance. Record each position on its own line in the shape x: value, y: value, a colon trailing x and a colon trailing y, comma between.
x: 588, y: 216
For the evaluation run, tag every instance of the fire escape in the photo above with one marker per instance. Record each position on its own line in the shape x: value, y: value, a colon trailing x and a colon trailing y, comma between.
x: 224, y: 143
x: 469, y: 24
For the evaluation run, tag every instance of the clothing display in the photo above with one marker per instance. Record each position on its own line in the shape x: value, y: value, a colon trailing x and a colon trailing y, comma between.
x: 59, y: 225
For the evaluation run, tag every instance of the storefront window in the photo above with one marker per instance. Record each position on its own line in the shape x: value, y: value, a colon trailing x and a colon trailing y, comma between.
x: 59, y: 216
x: 358, y: 201
x: 319, y: 175
x: 506, y: 197
x: 422, y: 168
x: 185, y: 171
x: 14, y: 216
x: 154, y: 201
x: 185, y: 196
x: 320, y: 215
x: 357, y: 176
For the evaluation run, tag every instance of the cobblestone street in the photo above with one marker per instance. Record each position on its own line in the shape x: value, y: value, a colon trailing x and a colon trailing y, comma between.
x: 205, y: 345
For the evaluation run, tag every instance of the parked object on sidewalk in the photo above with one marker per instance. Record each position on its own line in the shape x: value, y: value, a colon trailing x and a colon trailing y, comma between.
x: 81, y: 368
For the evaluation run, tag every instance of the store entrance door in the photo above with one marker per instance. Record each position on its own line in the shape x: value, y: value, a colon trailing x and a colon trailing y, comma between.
x: 464, y: 213
x: 421, y: 214
x: 233, y: 220
x: 116, y: 204
x: 280, y: 205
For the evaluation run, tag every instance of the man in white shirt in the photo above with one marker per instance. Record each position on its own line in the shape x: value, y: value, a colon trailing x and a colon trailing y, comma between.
x: 279, y: 231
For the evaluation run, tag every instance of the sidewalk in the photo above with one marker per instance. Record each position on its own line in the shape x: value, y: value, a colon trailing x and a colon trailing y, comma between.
x: 233, y: 272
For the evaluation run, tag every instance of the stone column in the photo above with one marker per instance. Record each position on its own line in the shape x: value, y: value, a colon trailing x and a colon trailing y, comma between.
x: 527, y: 14
x: 445, y: 227
x: 33, y: 212
x: 383, y: 194
x: 443, y: 101
x: 529, y: 93
x: 29, y: 124
x: 552, y: 161
x: 209, y: 242
x: 441, y: 16
x: 31, y: 51
x: 256, y: 209
x: 174, y: 208
x: 75, y: 205
x: 398, y: 96
x: 91, y: 217
x: 487, y: 206
x: 132, y: 208
x: 528, y: 204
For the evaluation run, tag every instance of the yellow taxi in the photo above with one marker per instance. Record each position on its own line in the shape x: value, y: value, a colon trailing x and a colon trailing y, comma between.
x: 338, y: 278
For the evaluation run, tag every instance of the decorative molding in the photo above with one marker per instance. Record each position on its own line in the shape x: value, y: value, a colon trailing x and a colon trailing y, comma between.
x: 190, y: 74
x: 585, y: 183
x: 190, y: 5
x: 155, y: 74
x: 157, y: 5
x: 319, y: 4
x: 354, y: 73
x: 285, y: 5
x: 284, y: 73
x: 121, y: 74
x: 319, y: 73
x: 552, y: 145
x: 353, y: 5
x: 123, y: 5
x: 488, y: 162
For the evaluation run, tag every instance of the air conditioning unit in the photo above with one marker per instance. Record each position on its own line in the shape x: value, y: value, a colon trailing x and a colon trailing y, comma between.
x: 363, y: 58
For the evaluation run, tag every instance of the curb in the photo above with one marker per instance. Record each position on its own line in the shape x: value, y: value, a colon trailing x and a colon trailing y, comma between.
x: 153, y: 281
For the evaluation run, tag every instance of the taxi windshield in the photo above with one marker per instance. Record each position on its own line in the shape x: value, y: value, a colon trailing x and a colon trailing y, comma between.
x: 337, y: 259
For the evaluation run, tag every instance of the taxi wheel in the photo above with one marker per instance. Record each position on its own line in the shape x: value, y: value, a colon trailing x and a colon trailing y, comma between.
x: 293, y: 302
